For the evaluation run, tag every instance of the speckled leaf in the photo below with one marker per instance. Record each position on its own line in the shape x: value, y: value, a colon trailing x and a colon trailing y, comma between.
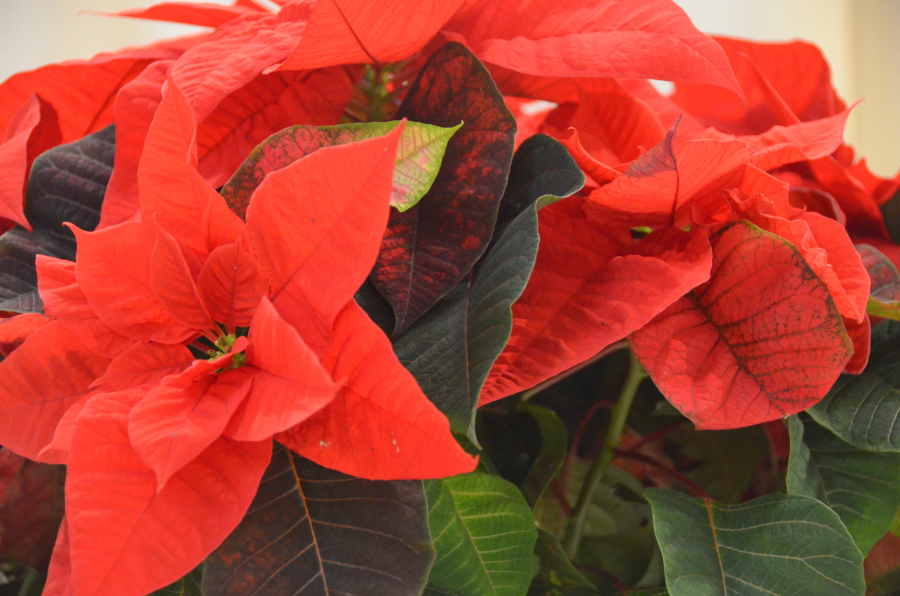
x: 484, y: 536
x: 314, y: 531
x: 419, y: 155
x: 777, y: 545
x: 864, y: 410
x: 860, y: 486
x: 760, y: 340
x: 450, y: 350
x: 429, y: 249
x: 67, y: 183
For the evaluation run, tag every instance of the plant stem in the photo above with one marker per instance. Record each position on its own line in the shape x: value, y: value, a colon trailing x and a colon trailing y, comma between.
x: 33, y: 583
x: 636, y: 374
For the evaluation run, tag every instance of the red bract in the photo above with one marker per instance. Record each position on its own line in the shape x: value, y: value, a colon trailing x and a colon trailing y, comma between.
x: 191, y: 437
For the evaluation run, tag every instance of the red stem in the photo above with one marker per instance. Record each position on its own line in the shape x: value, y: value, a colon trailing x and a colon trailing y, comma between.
x: 646, y: 459
x: 657, y: 434
x: 576, y: 439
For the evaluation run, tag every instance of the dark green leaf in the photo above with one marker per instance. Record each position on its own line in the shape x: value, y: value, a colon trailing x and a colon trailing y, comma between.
x: 484, y: 536
x: 189, y: 585
x: 433, y: 591
x: 326, y: 533
x: 67, y: 184
x: 450, y: 350
x: 558, y: 576
x: 550, y: 457
x: 860, y: 486
x: 429, y: 249
x: 777, y: 545
x: 864, y: 410
x: 541, y: 166
x: 890, y: 210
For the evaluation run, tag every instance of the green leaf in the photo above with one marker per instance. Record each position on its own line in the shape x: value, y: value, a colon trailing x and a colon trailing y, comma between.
x: 327, y: 532
x: 777, y: 545
x: 550, y: 457
x: 864, y: 410
x: 557, y: 574
x: 860, y: 486
x: 419, y: 157
x: 189, y: 585
x: 484, y: 536
x: 450, y: 349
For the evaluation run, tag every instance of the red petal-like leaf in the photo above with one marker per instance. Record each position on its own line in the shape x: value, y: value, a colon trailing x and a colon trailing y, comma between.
x: 231, y: 284
x: 380, y: 426
x: 64, y: 299
x: 30, y: 510
x: 113, y: 271
x: 15, y: 330
x: 352, y: 31
x: 568, y: 38
x: 289, y: 383
x: 174, y: 422
x: 761, y: 340
x: 173, y: 285
x: 430, y: 247
x: 188, y: 13
x: 135, y: 106
x: 261, y: 108
x: 59, y: 576
x: 589, y: 289
x: 657, y: 188
x: 127, y: 538
x: 172, y: 193
x: 33, y: 130
x: 143, y: 364
x: 317, y: 253
x: 41, y: 379
x: 860, y: 333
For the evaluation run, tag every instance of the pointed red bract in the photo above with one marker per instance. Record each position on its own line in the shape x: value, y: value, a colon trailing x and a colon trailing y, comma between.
x: 15, y: 330
x: 33, y: 130
x: 289, y: 383
x: 173, y: 285
x: 302, y: 243
x: 188, y: 13
x: 589, y: 289
x: 654, y: 39
x: 761, y: 340
x: 231, y: 284
x: 129, y: 539
x: 380, y: 425
x: 43, y: 377
x: 59, y: 576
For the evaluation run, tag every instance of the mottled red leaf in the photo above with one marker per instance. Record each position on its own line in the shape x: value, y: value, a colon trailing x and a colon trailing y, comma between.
x: 380, y: 426
x: 349, y: 31
x: 658, y: 188
x: 429, y: 248
x: 15, y: 330
x: 127, y: 538
x: 761, y: 340
x: 41, y: 379
x: 261, y: 108
x: 30, y: 510
x: 231, y: 284
x: 33, y: 130
x: 113, y: 270
x: 654, y: 39
x: 589, y: 288
x: 302, y: 241
x: 179, y: 418
x: 289, y: 383
x: 883, y: 561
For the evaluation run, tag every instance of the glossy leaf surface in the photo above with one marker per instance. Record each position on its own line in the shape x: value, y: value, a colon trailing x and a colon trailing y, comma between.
x: 776, y: 545
x: 315, y: 531
x: 484, y: 536
x: 860, y: 486
x: 428, y: 249
x: 730, y: 354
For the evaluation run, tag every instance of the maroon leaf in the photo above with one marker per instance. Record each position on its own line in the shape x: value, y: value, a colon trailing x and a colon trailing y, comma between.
x: 428, y: 249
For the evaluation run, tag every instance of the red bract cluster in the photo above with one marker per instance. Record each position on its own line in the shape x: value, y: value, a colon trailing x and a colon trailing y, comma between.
x: 712, y: 234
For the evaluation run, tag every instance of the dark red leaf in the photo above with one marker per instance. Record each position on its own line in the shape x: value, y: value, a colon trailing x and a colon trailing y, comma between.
x: 761, y: 340
x: 429, y: 248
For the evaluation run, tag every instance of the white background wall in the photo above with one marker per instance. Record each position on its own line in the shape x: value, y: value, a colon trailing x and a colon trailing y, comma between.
x: 861, y: 39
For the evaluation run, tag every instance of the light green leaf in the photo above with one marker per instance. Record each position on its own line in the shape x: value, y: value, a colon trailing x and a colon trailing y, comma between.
x: 777, y: 545
x: 483, y: 534
x: 860, y: 486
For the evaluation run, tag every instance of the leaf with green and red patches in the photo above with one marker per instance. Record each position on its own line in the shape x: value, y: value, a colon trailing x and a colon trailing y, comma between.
x: 428, y: 249
x: 315, y: 531
x: 419, y: 154
x: 760, y: 340
x: 884, y: 300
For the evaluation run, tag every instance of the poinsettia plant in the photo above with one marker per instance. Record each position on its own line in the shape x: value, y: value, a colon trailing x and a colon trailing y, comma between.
x: 444, y: 298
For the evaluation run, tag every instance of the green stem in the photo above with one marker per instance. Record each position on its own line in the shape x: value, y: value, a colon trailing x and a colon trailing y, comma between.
x: 572, y: 539
x: 33, y: 584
